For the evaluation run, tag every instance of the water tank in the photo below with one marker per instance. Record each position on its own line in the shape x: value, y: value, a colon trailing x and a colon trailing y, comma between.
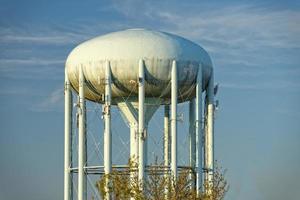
x: 124, y: 49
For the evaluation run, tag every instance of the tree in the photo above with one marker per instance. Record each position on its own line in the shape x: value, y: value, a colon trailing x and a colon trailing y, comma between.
x: 124, y: 185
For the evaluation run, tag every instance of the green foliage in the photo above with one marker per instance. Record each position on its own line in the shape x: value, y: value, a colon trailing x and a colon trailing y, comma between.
x: 124, y: 185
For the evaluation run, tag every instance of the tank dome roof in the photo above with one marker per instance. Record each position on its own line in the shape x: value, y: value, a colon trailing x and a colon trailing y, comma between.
x: 138, y: 43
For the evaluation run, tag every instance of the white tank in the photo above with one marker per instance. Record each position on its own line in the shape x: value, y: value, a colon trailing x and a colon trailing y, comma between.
x: 123, y: 50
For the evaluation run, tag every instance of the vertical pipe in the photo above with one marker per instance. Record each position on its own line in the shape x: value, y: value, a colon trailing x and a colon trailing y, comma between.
x: 141, y: 120
x: 107, y: 130
x: 198, y: 129
x: 133, y: 141
x: 192, y: 136
x: 209, y: 136
x: 174, y: 119
x: 81, y: 138
x: 145, y: 145
x: 68, y: 140
x: 133, y: 149
x: 204, y: 136
x: 167, y: 147
x: 167, y: 136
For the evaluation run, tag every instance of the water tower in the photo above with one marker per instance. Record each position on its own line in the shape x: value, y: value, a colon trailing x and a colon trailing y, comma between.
x: 138, y: 71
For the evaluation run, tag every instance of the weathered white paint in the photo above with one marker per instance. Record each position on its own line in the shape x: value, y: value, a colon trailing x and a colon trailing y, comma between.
x: 209, y: 134
x: 68, y: 141
x: 142, y: 136
x: 82, y: 195
x: 174, y: 120
x: 192, y: 138
x: 167, y: 147
x: 169, y: 73
x: 167, y: 135
x: 124, y: 49
x: 129, y: 110
x: 107, y: 128
x: 198, y: 130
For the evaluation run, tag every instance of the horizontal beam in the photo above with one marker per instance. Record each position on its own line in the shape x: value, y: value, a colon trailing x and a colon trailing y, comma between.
x: 100, y: 169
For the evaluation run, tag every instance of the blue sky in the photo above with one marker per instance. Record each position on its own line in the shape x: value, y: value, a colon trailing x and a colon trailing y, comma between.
x: 255, y: 48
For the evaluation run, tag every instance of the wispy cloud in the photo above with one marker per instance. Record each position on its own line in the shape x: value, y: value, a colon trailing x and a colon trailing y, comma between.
x: 238, y: 27
x: 32, y: 68
x: 14, y: 91
x: 262, y: 85
x: 233, y: 32
x: 41, y: 52
x: 34, y: 55
x: 248, y: 86
x: 52, y: 102
x: 29, y: 61
x: 239, y: 38
x: 39, y: 36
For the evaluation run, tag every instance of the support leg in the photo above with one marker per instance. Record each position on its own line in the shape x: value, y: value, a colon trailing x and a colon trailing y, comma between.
x: 167, y: 136
x: 107, y: 131
x: 167, y: 147
x: 68, y: 140
x: 81, y: 139
x: 209, y: 134
x: 192, y: 139
x: 198, y: 130
x: 133, y: 141
x: 174, y: 120
x: 141, y: 120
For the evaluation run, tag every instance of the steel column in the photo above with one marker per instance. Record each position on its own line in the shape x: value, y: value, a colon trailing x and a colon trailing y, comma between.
x: 81, y: 138
x: 141, y: 120
x: 107, y: 128
x: 68, y: 140
x: 167, y: 147
x: 209, y: 135
x: 192, y: 136
x: 198, y: 129
x: 167, y: 136
x: 133, y: 141
x: 174, y: 119
x: 129, y: 111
